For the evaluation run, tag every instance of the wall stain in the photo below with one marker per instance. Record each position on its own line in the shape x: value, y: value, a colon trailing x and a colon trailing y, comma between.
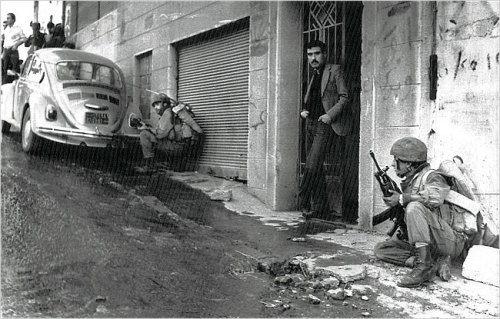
x: 398, y: 9
x: 390, y: 32
x: 497, y: 57
x: 488, y: 59
x: 259, y: 33
x: 458, y: 64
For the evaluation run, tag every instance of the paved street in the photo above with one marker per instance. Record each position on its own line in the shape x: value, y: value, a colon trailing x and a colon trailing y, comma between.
x: 83, y: 236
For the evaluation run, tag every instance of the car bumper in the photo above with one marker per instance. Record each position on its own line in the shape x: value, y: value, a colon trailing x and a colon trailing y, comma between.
x: 85, y: 138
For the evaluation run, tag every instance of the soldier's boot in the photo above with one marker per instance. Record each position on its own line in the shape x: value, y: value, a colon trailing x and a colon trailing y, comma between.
x: 443, y: 268
x: 424, y: 269
x: 149, y: 166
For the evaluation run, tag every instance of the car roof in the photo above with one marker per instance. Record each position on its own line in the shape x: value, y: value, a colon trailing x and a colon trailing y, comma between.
x: 58, y: 54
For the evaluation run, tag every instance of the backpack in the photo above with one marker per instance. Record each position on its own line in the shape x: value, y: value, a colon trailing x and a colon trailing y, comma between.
x: 465, y: 211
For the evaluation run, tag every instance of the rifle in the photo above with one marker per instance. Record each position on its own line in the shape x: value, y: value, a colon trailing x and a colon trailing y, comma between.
x: 396, y: 213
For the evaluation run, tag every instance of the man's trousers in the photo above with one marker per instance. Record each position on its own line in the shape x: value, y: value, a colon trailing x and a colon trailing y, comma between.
x: 424, y: 226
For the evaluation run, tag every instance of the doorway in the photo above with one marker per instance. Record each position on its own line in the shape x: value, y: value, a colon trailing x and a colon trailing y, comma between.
x: 338, y: 25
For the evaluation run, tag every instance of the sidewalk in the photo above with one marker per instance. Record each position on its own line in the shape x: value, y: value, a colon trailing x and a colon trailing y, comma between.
x: 459, y: 297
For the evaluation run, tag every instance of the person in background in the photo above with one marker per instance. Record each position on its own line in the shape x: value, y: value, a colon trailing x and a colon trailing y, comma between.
x: 58, y: 38
x: 36, y: 40
x: 14, y: 37
x: 50, y: 31
x: 327, y: 121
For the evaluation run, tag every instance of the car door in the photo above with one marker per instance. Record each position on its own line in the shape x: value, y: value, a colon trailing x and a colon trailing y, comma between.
x: 20, y: 88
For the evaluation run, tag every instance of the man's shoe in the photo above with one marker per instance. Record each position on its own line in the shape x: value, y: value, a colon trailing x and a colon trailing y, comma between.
x: 423, y: 271
x: 443, y: 268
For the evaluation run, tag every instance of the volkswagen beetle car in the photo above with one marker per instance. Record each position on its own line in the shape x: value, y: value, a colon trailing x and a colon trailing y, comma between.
x: 67, y: 96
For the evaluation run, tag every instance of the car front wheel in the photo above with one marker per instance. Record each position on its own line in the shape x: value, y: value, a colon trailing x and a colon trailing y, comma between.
x: 30, y: 141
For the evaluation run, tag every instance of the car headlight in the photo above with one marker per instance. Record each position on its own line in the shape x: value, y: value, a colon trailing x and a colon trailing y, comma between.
x: 51, y: 112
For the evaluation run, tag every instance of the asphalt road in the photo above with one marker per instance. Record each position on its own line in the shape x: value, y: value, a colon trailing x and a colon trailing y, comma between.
x: 77, y: 241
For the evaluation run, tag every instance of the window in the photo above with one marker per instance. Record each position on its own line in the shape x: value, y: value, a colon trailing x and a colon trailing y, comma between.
x: 144, y: 71
x: 87, y: 71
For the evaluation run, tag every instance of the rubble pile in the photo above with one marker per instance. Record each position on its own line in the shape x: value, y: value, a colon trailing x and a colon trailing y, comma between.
x: 329, y: 285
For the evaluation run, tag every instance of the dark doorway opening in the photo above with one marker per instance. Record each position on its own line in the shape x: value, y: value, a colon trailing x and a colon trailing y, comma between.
x: 338, y: 24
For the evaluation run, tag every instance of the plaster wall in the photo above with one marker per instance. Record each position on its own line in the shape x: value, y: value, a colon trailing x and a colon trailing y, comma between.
x: 274, y: 88
x: 397, y: 42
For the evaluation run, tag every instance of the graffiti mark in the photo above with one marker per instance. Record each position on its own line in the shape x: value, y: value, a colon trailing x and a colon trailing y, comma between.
x: 453, y: 21
x: 446, y: 69
x: 462, y: 65
x: 399, y: 8
x: 259, y: 33
x: 488, y: 60
x: 497, y: 57
x: 390, y: 32
x: 458, y: 64
x: 261, y: 122
x: 431, y: 132
x: 473, y: 65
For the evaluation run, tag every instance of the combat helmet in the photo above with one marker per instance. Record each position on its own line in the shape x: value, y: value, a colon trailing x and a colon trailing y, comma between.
x: 409, y: 149
x: 162, y: 97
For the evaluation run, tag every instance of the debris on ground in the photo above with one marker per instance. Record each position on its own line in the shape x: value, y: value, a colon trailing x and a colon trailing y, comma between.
x: 224, y: 195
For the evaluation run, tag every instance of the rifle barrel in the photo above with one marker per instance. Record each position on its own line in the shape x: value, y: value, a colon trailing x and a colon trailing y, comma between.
x: 375, y: 160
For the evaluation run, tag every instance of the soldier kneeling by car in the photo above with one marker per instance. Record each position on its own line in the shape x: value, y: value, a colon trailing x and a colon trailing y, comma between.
x: 177, y: 135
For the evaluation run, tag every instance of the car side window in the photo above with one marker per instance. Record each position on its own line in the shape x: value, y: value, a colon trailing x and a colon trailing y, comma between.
x: 35, y: 73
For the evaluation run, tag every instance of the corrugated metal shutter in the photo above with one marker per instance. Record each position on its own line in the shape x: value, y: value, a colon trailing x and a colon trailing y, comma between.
x: 213, y: 79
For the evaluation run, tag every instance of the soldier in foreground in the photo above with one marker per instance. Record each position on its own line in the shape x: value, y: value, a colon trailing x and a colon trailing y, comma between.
x: 430, y: 236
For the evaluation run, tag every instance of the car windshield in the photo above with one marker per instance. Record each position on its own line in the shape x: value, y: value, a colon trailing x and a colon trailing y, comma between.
x: 87, y: 71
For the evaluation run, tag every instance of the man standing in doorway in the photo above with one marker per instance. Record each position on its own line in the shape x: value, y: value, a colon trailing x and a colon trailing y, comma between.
x: 327, y: 118
x: 14, y: 37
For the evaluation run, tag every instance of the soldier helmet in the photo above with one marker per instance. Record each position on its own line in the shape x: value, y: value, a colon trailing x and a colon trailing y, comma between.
x: 409, y: 149
x: 162, y: 97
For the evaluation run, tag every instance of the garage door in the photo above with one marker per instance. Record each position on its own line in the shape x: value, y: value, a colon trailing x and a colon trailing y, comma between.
x: 213, y: 79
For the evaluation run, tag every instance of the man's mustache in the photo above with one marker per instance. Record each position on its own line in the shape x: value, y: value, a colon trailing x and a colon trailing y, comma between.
x: 314, y: 61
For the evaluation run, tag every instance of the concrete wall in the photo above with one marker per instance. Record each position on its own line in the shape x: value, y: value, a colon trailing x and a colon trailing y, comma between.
x: 274, y: 86
x: 397, y: 42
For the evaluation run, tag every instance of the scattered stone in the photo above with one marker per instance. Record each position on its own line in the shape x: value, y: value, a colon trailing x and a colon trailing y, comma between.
x: 270, y: 265
x: 289, y: 278
x: 221, y: 195
x: 365, y: 298
x: 339, y: 231
x: 330, y: 282
x: 101, y: 309
x: 366, y: 314
x: 348, y: 292
x: 309, y: 290
x: 316, y: 284
x: 354, y: 306
x: 337, y: 294
x: 361, y: 289
x: 286, y: 306
x: 115, y: 185
x: 100, y: 299
x: 344, y: 274
x: 345, y: 303
x: 298, y: 239
x: 313, y: 299
x: 482, y: 264
x: 372, y: 271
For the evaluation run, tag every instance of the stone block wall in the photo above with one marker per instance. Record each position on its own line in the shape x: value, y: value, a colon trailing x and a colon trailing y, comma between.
x: 274, y: 87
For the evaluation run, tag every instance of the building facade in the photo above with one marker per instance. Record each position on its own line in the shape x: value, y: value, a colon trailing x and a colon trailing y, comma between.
x: 425, y: 69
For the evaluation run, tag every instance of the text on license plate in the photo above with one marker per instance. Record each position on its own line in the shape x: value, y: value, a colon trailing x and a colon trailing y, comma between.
x: 96, y: 118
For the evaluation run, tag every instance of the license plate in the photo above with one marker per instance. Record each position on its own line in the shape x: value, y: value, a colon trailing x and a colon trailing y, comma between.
x: 96, y: 118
